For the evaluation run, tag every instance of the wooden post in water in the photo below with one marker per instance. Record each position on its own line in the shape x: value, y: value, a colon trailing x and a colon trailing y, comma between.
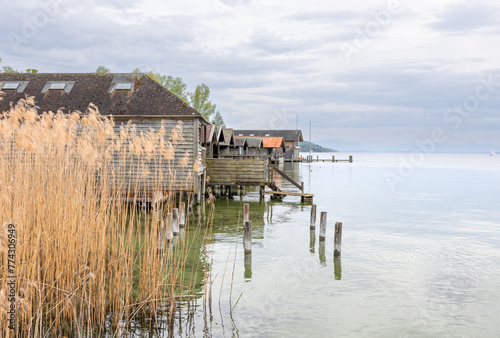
x: 247, y: 236
x: 337, y: 240
x: 333, y: 158
x: 322, y: 227
x: 160, y: 237
x: 191, y: 203
x: 313, y: 217
x: 302, y: 186
x: 167, y: 231
x: 350, y: 158
x: 246, y: 212
x: 182, y: 215
x: 175, y: 221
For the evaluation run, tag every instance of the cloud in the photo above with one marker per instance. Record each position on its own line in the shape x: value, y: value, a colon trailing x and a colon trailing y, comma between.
x: 267, y: 61
x: 467, y: 18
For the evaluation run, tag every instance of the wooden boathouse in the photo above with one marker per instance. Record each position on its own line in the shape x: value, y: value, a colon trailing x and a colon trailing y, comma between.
x: 204, y: 154
x: 291, y: 138
x: 128, y: 98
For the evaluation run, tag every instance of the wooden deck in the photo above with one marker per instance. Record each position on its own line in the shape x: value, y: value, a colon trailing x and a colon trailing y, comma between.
x: 238, y: 170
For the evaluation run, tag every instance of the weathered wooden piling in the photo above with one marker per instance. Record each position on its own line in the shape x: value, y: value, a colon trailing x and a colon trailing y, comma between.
x: 167, y: 230
x: 182, y: 215
x: 322, y: 227
x: 337, y: 240
x: 302, y: 186
x: 333, y: 158
x: 175, y: 221
x: 350, y: 158
x: 246, y: 212
x: 247, y: 236
x: 160, y: 237
x: 191, y: 203
x: 313, y: 217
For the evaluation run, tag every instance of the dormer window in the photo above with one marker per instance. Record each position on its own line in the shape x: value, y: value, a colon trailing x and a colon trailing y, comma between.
x: 58, y: 85
x: 18, y: 86
x: 124, y: 86
x: 252, y: 134
x: 267, y: 135
x: 121, y: 86
x: 12, y: 85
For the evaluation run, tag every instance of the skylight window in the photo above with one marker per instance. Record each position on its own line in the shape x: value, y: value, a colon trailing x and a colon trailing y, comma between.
x: 267, y: 135
x: 58, y: 85
x: 252, y: 134
x: 240, y: 134
x: 18, y: 86
x: 124, y: 86
x: 11, y: 85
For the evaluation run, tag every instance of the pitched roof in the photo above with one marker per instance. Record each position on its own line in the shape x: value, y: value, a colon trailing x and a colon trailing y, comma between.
x: 240, y: 142
x: 228, y: 136
x: 267, y: 141
x: 288, y: 135
x: 254, y: 142
x: 210, y: 134
x: 114, y: 94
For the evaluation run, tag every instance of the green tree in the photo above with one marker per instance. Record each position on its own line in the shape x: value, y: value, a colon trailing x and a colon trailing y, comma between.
x: 32, y: 70
x: 218, y: 120
x: 200, y: 101
x: 102, y: 70
x: 8, y: 69
x: 173, y: 84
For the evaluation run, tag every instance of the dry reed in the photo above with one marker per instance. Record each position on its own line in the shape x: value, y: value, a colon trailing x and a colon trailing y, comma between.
x: 87, y: 263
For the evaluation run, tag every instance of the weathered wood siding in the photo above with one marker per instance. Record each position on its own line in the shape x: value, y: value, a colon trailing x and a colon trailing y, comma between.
x: 237, y: 170
x: 173, y: 175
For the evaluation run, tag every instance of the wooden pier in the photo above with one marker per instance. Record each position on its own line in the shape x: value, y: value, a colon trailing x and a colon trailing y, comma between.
x: 311, y: 158
x: 281, y: 194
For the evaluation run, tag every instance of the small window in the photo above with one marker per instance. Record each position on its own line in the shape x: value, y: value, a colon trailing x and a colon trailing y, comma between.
x: 240, y: 134
x: 252, y: 134
x: 18, y: 86
x: 124, y: 86
x: 58, y: 86
x: 267, y: 135
x: 11, y: 85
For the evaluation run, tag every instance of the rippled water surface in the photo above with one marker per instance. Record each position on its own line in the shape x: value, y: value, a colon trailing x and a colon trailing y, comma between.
x: 420, y: 252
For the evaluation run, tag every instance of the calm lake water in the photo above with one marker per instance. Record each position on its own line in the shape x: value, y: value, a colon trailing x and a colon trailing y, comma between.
x: 420, y: 253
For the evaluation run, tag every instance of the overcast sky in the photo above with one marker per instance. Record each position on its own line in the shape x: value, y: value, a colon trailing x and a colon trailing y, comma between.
x: 382, y: 74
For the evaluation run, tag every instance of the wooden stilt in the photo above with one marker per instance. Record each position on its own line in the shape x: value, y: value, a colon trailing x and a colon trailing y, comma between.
x: 175, y: 221
x: 182, y: 215
x: 337, y: 240
x: 247, y: 236
x: 313, y: 217
x: 246, y: 212
x: 322, y: 227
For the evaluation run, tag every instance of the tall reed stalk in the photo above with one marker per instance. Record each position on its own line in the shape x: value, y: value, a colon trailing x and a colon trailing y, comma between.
x: 86, y: 263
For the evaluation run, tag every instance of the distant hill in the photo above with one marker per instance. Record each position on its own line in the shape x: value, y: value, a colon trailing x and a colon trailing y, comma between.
x: 304, y: 146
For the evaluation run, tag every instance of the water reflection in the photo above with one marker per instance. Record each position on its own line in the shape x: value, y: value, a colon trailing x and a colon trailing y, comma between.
x: 322, y: 254
x: 337, y: 267
x: 248, y: 266
x: 312, y: 241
